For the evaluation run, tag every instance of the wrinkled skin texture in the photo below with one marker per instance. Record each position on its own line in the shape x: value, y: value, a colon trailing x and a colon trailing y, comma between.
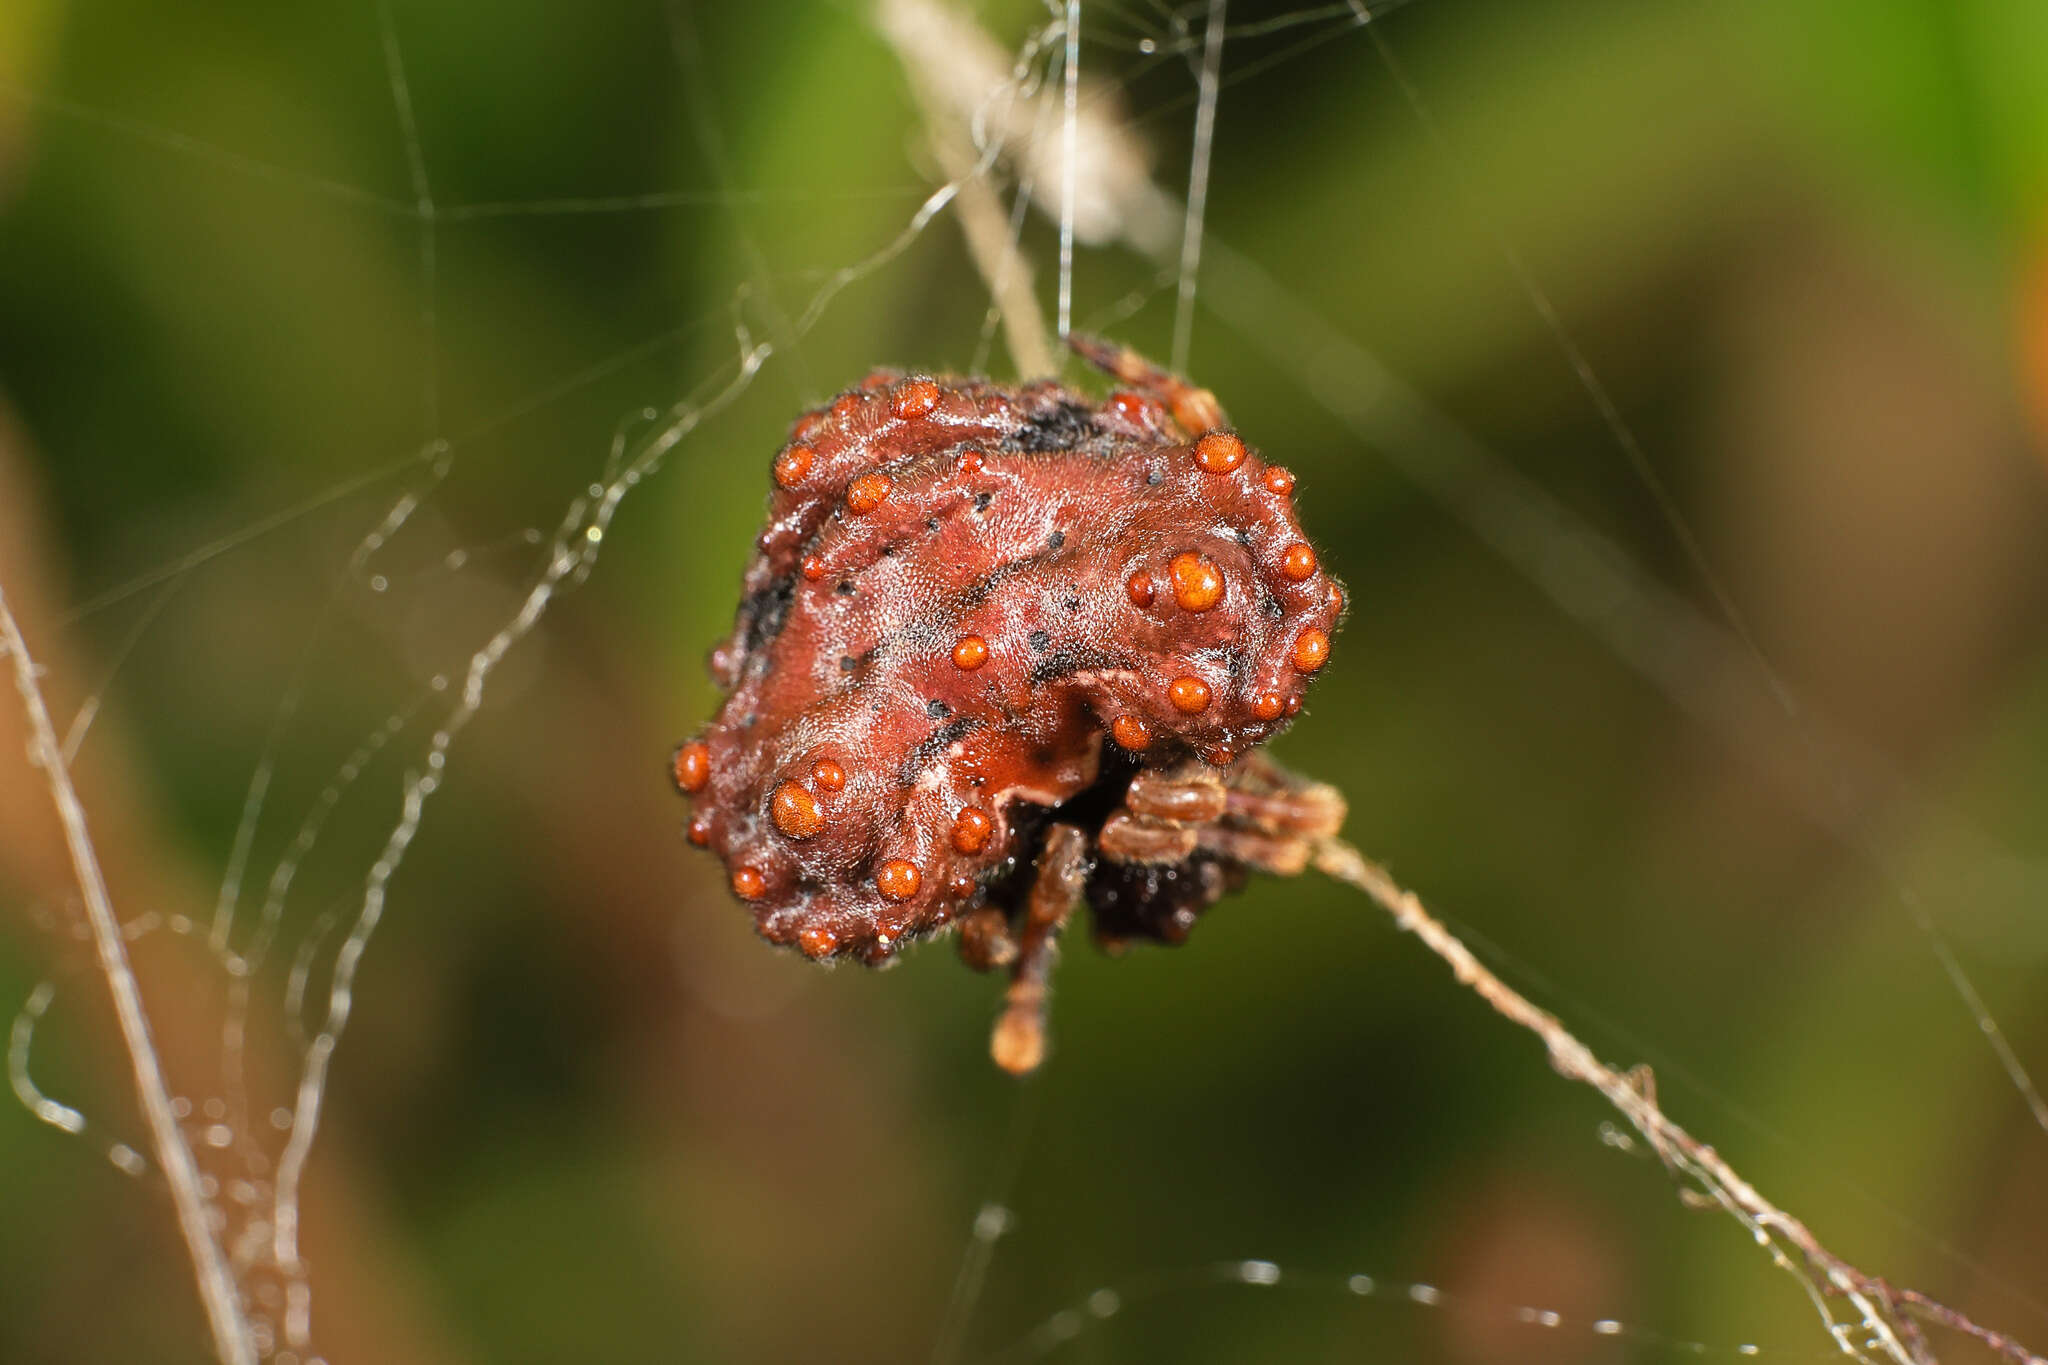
x: 976, y: 610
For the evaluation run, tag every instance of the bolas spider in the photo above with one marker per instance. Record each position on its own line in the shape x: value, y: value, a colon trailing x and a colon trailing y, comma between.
x: 1001, y: 649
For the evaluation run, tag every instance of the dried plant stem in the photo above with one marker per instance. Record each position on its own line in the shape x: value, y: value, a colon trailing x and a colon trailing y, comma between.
x: 1001, y: 265
x: 1890, y: 1317
x: 216, y: 1285
x: 958, y: 117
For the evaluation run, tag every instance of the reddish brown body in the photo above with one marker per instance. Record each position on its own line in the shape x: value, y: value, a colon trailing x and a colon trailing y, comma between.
x: 961, y: 591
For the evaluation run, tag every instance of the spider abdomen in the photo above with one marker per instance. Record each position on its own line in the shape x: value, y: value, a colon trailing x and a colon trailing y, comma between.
x: 961, y: 589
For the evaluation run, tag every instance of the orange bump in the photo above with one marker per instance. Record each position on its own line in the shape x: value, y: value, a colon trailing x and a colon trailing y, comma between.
x: 1132, y: 733
x: 817, y: 941
x: 700, y: 831
x: 971, y: 653
x: 1219, y: 452
x: 898, y: 879
x: 796, y: 812
x: 1130, y: 406
x: 1268, y: 705
x: 1197, y: 582
x: 791, y: 466
x: 814, y: 568
x: 1293, y: 703
x: 693, y: 766
x: 828, y: 775
x: 867, y: 492
x: 748, y: 883
x: 1140, y: 589
x: 971, y: 830
x: 970, y: 461
x: 915, y: 399
x: 1279, y: 480
x: 1298, y: 561
x: 1190, y: 695
x: 1311, y: 649
x: 1335, y: 597
x: 805, y: 425
x: 1216, y: 756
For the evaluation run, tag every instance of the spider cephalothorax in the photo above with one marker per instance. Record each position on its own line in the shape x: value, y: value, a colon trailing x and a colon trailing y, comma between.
x: 962, y: 589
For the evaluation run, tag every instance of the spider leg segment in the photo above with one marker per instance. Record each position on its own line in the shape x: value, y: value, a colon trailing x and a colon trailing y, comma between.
x: 1257, y: 814
x: 1273, y: 819
x: 1018, y: 1044
x: 1280, y: 856
x: 1129, y: 838
x: 1268, y: 799
x: 1191, y: 794
x: 985, y: 939
x: 1162, y: 815
x: 1194, y: 408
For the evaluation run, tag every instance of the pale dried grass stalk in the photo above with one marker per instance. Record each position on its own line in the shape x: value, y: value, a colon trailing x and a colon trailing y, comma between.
x: 1890, y: 1318
x: 996, y: 255
x: 217, y: 1291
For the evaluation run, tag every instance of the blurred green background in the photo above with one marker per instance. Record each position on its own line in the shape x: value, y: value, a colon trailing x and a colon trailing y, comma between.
x: 582, y: 1115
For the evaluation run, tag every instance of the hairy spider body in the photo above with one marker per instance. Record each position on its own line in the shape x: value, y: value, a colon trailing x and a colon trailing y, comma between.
x: 991, y: 633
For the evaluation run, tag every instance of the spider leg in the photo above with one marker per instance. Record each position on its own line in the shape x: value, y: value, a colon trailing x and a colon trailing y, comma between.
x: 1267, y: 799
x: 1162, y: 812
x: 1195, y: 409
x: 1192, y: 794
x: 1018, y: 1044
x: 1280, y: 855
x: 1128, y: 838
x: 986, y: 940
x: 1272, y: 819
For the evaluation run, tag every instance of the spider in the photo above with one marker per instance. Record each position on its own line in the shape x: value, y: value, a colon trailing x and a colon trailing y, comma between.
x: 1002, y: 649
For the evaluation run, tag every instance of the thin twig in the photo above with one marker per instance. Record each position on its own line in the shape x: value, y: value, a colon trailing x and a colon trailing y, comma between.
x: 1100, y: 183
x: 987, y: 228
x: 216, y: 1286
x: 1888, y: 1315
